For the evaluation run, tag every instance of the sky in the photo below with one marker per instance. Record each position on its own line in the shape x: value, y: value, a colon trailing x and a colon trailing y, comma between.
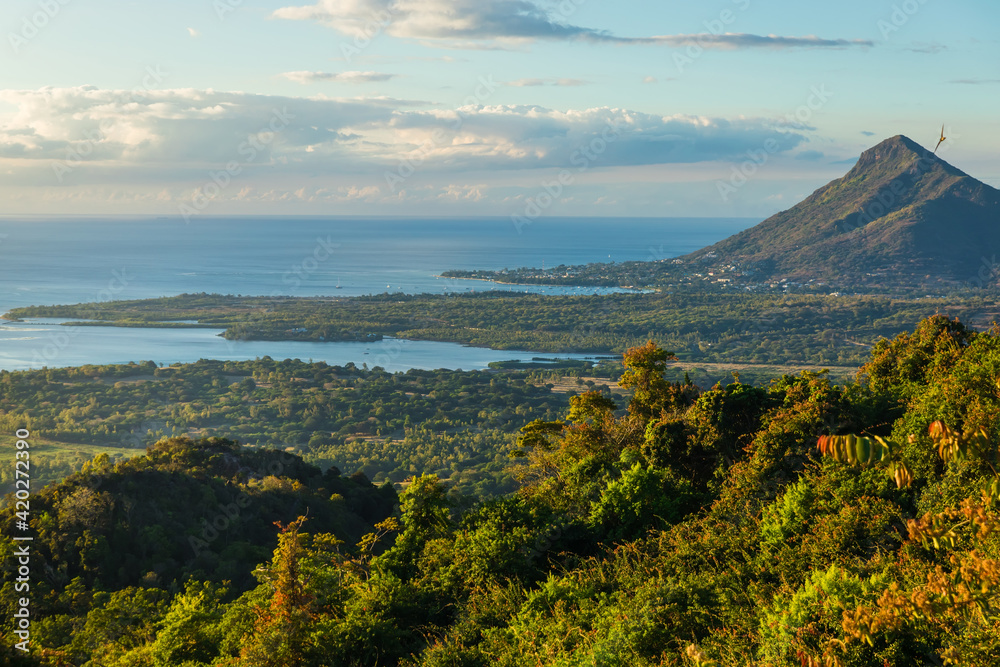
x: 524, y: 108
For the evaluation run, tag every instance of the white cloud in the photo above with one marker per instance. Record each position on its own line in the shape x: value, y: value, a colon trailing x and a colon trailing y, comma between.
x: 810, y: 155
x: 438, y: 19
x: 305, y: 77
x: 511, y: 137
x: 312, y: 194
x: 454, y: 192
x: 180, y: 136
x: 730, y: 41
x: 527, y: 83
x: 467, y: 23
x: 174, y: 127
x: 193, y: 32
x: 926, y: 47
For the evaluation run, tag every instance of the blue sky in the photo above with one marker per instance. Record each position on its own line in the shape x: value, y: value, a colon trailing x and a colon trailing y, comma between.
x: 478, y: 107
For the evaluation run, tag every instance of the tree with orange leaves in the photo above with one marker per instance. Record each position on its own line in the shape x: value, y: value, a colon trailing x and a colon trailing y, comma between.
x: 280, y: 630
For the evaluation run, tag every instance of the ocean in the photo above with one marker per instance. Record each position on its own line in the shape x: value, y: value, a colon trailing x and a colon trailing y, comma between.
x: 63, y: 261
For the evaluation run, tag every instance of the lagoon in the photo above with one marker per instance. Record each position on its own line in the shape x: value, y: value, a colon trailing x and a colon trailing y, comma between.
x: 38, y: 343
x: 64, y: 261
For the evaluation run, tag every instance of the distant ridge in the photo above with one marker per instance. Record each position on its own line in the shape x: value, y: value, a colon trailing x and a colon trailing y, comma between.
x: 900, y: 216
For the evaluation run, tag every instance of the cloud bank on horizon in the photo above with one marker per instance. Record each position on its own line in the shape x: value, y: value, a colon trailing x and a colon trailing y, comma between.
x: 178, y: 131
x: 353, y: 110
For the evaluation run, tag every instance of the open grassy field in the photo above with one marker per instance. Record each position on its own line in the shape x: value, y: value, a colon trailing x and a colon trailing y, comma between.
x: 51, y: 461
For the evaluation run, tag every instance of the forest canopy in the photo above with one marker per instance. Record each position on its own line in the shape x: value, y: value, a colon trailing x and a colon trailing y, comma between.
x: 688, y: 527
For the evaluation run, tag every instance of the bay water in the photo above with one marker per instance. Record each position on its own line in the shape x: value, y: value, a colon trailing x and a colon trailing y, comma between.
x: 46, y: 261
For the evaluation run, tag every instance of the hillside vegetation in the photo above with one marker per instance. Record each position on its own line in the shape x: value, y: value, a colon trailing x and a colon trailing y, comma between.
x: 459, y: 425
x: 687, y: 527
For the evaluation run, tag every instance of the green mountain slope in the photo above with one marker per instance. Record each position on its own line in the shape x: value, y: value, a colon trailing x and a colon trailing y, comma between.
x: 901, y: 215
x: 203, y: 509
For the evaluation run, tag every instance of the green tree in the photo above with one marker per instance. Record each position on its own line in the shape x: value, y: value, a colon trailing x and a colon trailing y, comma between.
x: 644, y: 375
x: 426, y: 516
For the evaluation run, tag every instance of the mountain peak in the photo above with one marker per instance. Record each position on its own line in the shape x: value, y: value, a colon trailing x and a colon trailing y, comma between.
x: 899, y: 150
x: 899, y: 154
x: 901, y: 213
x: 897, y: 143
